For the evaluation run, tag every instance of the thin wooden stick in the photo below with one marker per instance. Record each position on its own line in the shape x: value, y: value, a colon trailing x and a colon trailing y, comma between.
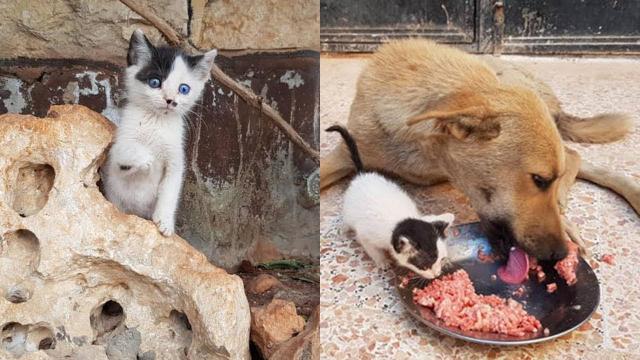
x: 257, y: 101
x: 174, y: 38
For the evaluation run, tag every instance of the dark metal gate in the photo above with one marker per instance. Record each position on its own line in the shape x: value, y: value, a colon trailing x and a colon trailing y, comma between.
x: 485, y: 26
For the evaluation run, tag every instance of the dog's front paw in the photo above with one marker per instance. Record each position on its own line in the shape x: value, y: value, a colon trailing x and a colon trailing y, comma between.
x: 165, y: 223
x: 572, y: 233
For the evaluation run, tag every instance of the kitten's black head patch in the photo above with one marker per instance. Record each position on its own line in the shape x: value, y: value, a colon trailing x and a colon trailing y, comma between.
x: 192, y: 61
x: 139, y: 48
x: 440, y: 227
x: 422, y: 236
x: 160, y: 64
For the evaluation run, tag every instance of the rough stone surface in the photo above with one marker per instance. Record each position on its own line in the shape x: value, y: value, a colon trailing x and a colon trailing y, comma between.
x: 274, y: 324
x: 304, y: 346
x: 78, y: 272
x: 262, y: 283
x: 92, y: 29
x: 264, y: 251
x: 272, y: 24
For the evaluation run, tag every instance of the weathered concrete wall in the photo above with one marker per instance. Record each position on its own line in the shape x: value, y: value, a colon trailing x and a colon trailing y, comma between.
x: 245, y: 181
x: 87, y: 29
x: 248, y: 24
x: 100, y: 30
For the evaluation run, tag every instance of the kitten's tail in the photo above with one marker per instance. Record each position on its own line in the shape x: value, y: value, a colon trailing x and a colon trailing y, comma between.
x: 351, y: 144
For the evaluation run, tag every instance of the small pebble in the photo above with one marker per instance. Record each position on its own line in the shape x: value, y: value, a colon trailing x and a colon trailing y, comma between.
x: 494, y: 277
x: 546, y: 331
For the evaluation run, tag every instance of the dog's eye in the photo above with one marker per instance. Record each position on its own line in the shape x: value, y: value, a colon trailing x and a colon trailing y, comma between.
x: 541, y: 183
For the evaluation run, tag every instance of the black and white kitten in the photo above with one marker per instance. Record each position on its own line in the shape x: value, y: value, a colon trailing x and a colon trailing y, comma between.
x: 144, y: 169
x: 387, y: 221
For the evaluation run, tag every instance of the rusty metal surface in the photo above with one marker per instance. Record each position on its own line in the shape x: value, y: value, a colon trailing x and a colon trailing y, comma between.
x: 572, y: 27
x: 244, y: 180
x: 486, y: 26
x: 30, y: 86
x: 498, y: 25
x: 357, y: 26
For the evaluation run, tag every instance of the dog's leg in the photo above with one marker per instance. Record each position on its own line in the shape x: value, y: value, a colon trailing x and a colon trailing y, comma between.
x: 335, y: 166
x: 623, y: 185
x: 573, y: 234
x: 572, y: 166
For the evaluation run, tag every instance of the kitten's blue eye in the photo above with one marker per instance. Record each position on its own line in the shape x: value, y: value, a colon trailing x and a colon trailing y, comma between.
x: 184, y: 89
x: 154, y: 82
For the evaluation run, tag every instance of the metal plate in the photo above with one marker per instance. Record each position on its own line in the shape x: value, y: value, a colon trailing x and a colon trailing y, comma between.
x: 561, y: 312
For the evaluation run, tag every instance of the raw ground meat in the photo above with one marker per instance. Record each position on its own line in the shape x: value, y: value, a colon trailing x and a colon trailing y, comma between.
x: 453, y: 299
x: 609, y: 259
x: 486, y: 257
x: 567, y: 267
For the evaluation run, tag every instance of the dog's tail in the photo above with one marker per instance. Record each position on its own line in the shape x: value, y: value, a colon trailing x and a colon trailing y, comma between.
x: 599, y: 129
x: 351, y: 144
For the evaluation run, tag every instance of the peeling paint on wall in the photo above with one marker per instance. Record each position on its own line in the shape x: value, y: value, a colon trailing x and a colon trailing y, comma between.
x: 110, y: 111
x: 292, y: 78
x: 14, y: 102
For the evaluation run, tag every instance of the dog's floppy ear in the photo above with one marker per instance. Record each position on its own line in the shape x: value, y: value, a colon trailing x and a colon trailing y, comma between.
x: 470, y: 122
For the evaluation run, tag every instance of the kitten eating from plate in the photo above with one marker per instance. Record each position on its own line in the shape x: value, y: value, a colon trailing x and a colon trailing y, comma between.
x: 387, y: 221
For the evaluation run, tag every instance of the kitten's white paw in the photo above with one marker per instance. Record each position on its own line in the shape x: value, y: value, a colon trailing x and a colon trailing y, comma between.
x: 141, y: 163
x: 164, y: 223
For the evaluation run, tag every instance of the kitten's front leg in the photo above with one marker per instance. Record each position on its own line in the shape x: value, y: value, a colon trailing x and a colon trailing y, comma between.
x: 131, y: 157
x: 168, y: 195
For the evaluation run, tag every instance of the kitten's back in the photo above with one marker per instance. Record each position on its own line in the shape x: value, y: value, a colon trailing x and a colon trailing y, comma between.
x: 375, y: 204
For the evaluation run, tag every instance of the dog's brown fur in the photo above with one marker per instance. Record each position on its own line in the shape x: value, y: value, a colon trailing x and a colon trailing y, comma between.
x: 430, y: 113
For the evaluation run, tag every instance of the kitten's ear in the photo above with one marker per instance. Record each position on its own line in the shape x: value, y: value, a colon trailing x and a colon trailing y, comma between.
x: 440, y: 227
x: 204, y: 64
x: 140, y: 49
x: 399, y: 243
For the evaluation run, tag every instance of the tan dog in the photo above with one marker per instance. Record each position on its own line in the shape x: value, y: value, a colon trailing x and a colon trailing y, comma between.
x: 430, y: 113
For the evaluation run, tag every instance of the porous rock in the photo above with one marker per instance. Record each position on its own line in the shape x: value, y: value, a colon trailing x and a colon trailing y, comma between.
x: 304, y: 346
x: 79, y: 276
x: 273, y: 324
x: 262, y: 283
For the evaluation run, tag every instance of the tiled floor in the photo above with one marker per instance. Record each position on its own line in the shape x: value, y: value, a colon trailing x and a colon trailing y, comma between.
x: 361, y: 316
